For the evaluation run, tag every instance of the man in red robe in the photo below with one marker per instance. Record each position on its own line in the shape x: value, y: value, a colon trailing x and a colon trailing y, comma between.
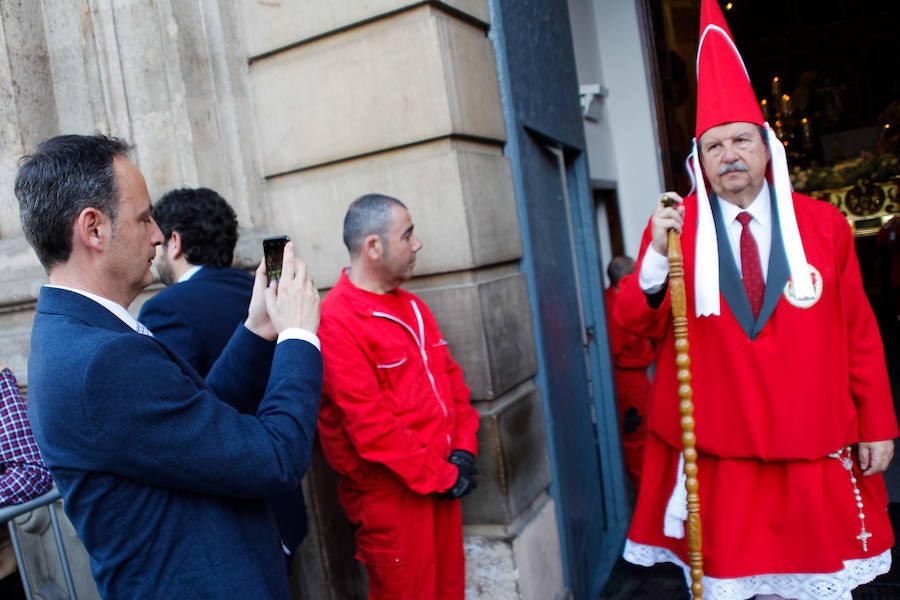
x: 794, y: 417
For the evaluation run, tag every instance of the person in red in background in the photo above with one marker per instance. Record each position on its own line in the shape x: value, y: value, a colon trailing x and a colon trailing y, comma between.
x: 395, y: 421
x: 632, y: 355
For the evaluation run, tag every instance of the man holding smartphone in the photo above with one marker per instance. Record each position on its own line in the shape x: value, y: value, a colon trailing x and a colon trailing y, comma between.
x: 205, y: 300
x: 395, y: 423
x: 162, y: 472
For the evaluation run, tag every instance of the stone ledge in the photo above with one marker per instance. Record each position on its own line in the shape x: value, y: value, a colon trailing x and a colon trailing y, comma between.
x: 436, y: 77
x: 521, y: 565
x: 460, y: 196
x: 270, y: 25
x: 513, y: 459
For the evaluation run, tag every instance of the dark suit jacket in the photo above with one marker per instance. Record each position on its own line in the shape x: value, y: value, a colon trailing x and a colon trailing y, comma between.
x: 163, y: 473
x: 196, y: 318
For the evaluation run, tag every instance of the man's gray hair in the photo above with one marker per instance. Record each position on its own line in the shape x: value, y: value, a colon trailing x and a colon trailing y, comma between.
x: 63, y: 176
x: 367, y: 215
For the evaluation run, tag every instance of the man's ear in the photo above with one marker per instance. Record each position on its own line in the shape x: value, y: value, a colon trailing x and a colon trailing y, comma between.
x: 173, y: 246
x: 372, y: 247
x: 92, y: 229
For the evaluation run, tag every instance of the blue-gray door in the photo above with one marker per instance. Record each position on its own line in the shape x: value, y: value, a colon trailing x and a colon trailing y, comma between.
x: 545, y: 142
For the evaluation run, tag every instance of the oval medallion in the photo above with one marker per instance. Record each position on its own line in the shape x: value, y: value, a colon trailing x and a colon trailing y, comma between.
x: 817, y: 290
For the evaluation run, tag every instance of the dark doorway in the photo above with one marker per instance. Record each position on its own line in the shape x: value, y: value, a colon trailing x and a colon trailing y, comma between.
x: 826, y: 73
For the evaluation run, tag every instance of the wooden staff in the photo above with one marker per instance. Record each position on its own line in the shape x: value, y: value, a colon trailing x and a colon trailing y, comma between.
x: 686, y: 406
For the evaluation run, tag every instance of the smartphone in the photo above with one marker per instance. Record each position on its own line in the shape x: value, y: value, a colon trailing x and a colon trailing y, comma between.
x: 273, y: 250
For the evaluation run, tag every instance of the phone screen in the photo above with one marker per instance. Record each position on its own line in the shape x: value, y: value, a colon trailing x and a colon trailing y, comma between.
x: 273, y: 250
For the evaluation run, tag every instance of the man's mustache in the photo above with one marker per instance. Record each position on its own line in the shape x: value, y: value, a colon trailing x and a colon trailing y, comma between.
x: 737, y: 165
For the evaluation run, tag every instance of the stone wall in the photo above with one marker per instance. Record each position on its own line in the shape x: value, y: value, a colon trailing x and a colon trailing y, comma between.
x: 291, y: 110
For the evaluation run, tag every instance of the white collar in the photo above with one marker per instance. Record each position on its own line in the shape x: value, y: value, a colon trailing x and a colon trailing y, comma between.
x: 113, y: 307
x: 760, y: 209
x: 189, y: 273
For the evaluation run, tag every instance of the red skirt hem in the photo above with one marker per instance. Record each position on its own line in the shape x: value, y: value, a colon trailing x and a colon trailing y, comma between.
x: 766, y: 517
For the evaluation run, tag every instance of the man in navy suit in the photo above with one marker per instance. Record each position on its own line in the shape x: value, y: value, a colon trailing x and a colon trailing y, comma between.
x: 163, y: 473
x: 205, y: 300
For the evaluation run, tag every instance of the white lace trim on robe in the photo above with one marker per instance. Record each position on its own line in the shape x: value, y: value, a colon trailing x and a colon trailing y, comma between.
x: 802, y: 586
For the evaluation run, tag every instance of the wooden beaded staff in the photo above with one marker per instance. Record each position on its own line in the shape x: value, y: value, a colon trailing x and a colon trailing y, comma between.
x: 686, y: 406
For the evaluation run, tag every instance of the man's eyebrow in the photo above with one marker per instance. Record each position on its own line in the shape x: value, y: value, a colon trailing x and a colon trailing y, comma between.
x: 409, y: 230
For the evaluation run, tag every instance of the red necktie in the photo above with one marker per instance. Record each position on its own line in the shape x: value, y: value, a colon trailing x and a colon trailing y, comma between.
x: 751, y: 266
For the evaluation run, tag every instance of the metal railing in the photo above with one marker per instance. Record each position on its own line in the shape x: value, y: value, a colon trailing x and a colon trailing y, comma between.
x: 8, y: 515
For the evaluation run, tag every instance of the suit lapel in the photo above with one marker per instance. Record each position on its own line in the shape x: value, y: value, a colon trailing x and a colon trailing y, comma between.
x: 65, y: 302
x: 730, y: 282
x: 777, y: 276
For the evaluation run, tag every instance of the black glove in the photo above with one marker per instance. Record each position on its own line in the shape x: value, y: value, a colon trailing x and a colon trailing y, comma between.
x: 465, y: 481
x: 465, y: 462
x: 632, y: 419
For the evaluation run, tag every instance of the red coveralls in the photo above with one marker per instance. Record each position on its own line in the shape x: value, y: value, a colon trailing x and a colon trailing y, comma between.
x: 632, y: 355
x: 395, y: 406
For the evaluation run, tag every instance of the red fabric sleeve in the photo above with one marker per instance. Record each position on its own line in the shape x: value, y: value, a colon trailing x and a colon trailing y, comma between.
x: 633, y: 312
x: 629, y: 351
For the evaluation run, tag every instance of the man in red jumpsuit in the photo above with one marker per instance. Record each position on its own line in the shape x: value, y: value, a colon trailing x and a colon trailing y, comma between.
x: 395, y: 421
x: 632, y: 355
x: 794, y: 418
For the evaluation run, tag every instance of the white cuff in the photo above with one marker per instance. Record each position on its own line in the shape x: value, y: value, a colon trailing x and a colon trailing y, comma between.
x: 654, y: 270
x: 296, y: 333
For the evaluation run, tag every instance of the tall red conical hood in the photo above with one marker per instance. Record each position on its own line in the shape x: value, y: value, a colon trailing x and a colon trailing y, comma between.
x: 724, y: 93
